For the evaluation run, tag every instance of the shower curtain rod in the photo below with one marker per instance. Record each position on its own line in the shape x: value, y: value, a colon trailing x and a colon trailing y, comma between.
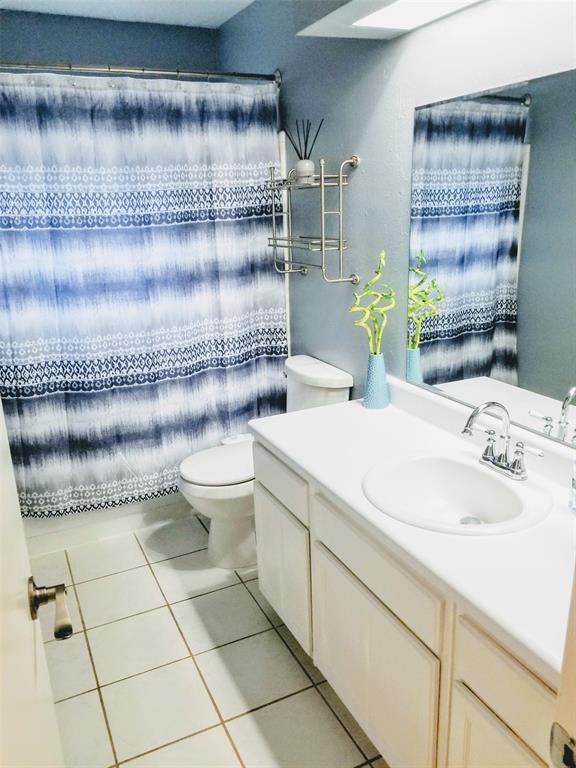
x: 526, y: 99
x: 275, y: 77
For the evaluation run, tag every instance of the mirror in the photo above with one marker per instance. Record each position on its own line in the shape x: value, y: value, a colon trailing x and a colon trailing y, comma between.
x: 492, y: 279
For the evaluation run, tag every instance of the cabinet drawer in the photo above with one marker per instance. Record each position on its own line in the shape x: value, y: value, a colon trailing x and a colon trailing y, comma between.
x: 478, y: 739
x: 519, y: 698
x: 385, y: 676
x: 283, y: 545
x: 282, y: 482
x: 411, y: 600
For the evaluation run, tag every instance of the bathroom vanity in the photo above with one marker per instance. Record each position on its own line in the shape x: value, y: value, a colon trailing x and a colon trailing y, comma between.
x: 446, y: 648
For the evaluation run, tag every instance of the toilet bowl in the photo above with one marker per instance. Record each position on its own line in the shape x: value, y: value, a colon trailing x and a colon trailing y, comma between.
x: 219, y: 482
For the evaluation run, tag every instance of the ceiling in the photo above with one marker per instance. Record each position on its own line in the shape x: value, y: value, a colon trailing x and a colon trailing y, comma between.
x: 188, y: 13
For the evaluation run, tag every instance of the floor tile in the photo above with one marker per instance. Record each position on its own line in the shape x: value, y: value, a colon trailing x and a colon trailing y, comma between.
x: 298, y: 732
x: 51, y: 569
x: 85, y: 740
x: 70, y: 667
x: 118, y: 596
x: 191, y: 575
x: 250, y: 673
x: 150, y: 710
x: 301, y: 655
x: 254, y: 588
x: 102, y: 558
x: 173, y: 538
x: 211, y: 749
x: 350, y: 723
x: 380, y: 764
x: 46, y: 617
x: 136, y: 644
x: 219, y: 617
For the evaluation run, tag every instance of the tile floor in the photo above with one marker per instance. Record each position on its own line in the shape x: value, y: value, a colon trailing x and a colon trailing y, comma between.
x: 176, y: 664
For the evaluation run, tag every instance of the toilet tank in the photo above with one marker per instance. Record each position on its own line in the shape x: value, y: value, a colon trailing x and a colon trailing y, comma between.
x: 312, y: 382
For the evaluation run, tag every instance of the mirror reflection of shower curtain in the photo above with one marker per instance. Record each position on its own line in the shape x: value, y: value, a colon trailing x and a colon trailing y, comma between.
x: 466, y: 195
x: 141, y: 317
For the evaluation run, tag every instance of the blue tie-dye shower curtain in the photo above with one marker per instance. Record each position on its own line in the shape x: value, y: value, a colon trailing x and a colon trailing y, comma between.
x: 466, y: 190
x: 141, y: 317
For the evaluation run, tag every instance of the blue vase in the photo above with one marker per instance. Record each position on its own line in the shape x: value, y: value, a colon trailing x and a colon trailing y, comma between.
x: 414, y: 366
x: 376, y: 394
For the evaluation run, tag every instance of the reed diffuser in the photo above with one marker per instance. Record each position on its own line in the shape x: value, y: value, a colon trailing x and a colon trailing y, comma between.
x: 303, y: 145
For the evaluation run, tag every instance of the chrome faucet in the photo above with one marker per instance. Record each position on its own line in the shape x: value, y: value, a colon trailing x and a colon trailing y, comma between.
x: 500, y: 460
x: 566, y: 403
x: 502, y: 457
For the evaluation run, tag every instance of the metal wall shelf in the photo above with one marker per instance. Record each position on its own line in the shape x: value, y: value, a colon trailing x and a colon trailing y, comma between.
x: 321, y: 243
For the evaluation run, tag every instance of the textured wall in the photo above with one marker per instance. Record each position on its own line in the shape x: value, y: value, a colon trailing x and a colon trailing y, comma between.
x: 39, y: 37
x: 367, y: 91
x: 547, y: 282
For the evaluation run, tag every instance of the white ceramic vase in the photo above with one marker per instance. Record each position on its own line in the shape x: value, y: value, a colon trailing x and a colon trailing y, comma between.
x: 305, y: 171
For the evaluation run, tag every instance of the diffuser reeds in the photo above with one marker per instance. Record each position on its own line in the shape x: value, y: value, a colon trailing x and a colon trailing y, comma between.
x: 301, y: 141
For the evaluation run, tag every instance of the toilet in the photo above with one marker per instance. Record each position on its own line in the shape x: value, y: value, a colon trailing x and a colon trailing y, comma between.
x: 219, y: 482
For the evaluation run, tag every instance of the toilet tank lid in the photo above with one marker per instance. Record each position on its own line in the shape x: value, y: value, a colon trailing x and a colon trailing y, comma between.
x: 222, y: 465
x: 317, y: 373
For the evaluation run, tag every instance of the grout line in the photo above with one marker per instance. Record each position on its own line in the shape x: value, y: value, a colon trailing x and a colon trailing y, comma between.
x: 170, y: 743
x: 105, y: 714
x: 232, y: 642
x: 143, y: 672
x: 134, y: 567
x: 198, y: 670
x: 269, y: 703
x: 200, y: 594
x: 75, y: 695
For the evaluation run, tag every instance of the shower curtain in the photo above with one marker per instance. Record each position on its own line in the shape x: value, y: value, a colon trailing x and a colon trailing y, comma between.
x: 141, y: 318
x: 466, y: 190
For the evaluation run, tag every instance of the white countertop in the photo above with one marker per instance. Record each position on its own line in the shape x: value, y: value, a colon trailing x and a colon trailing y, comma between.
x: 518, y: 584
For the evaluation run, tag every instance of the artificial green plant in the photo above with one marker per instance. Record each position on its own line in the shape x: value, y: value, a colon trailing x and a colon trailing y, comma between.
x: 374, y: 313
x: 424, y: 296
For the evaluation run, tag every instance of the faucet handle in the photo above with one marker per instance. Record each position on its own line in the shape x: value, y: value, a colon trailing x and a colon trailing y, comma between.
x: 488, y: 453
x: 523, y: 448
x: 548, y: 421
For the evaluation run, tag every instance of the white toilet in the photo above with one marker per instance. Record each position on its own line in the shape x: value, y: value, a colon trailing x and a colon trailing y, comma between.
x: 219, y: 482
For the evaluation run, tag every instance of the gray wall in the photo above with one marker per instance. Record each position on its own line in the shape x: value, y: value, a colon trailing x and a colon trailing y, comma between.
x: 547, y: 278
x: 46, y: 38
x: 367, y: 92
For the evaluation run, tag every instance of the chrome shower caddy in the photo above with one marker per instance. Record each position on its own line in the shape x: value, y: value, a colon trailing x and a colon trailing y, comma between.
x: 321, y: 243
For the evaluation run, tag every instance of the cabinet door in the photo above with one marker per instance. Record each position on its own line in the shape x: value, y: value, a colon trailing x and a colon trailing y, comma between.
x: 478, y: 739
x: 284, y: 564
x: 386, y: 677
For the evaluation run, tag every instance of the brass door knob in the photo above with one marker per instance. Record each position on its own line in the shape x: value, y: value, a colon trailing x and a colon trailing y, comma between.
x: 38, y: 596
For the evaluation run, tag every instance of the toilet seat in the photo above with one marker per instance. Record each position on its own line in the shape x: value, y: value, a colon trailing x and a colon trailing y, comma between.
x: 216, y: 492
x: 222, y: 466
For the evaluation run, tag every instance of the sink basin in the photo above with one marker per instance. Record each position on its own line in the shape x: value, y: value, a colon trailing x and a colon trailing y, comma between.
x: 455, y: 496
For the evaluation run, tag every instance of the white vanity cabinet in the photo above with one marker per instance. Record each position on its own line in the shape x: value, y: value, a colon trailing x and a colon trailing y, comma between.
x: 479, y: 739
x: 283, y: 540
x: 428, y: 683
x: 284, y: 564
x: 387, y: 678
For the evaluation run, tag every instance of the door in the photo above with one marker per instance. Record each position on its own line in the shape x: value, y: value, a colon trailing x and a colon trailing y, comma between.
x: 563, y: 741
x: 383, y: 673
x: 479, y: 739
x: 28, y: 729
x: 284, y: 564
